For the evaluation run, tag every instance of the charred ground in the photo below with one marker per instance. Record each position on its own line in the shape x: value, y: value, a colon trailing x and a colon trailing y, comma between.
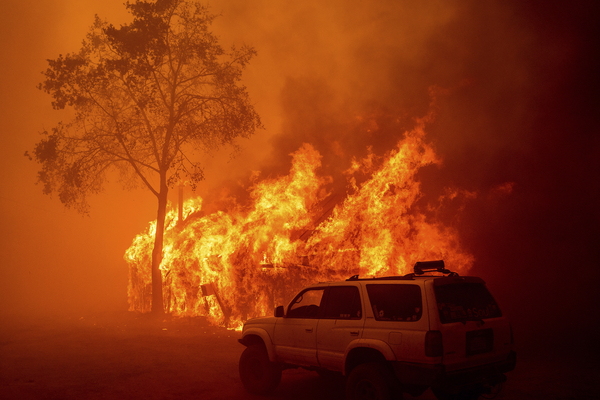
x: 127, y: 355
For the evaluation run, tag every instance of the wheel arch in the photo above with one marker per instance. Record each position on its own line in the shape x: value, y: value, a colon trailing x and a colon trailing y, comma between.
x: 259, y: 336
x: 363, y: 351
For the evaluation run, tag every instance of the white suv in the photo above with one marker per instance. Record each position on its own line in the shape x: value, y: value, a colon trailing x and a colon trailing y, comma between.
x: 389, y: 335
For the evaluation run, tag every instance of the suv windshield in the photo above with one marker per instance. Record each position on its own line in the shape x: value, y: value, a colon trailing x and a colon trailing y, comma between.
x: 465, y: 301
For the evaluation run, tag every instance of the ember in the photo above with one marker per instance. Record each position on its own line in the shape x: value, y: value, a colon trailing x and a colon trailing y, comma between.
x: 230, y: 266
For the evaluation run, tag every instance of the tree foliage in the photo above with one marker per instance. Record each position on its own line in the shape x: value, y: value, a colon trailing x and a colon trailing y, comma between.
x: 146, y: 97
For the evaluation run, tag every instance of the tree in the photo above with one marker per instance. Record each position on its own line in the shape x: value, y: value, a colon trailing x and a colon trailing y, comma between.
x: 145, y: 96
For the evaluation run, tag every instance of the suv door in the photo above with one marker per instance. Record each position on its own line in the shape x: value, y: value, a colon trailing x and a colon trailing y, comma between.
x: 295, y: 334
x: 341, y: 322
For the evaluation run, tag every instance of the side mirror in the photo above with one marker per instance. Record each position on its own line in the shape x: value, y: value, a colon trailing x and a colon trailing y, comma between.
x: 279, y: 311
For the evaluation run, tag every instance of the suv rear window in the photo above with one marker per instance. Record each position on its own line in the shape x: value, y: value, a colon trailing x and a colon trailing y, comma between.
x: 395, y: 302
x: 465, y: 301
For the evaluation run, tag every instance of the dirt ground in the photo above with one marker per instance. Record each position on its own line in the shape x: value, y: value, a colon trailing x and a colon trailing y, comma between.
x: 128, y: 356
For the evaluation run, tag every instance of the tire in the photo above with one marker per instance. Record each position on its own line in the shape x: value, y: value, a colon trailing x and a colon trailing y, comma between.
x: 258, y: 374
x: 371, y: 381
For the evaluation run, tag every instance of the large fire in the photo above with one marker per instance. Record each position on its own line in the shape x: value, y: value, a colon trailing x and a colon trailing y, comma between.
x: 230, y: 266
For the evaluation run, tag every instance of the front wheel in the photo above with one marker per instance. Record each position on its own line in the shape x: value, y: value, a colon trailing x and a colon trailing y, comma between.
x: 371, y: 381
x: 258, y: 374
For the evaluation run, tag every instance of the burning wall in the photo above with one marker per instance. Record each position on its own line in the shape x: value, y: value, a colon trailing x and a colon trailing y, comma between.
x: 256, y: 256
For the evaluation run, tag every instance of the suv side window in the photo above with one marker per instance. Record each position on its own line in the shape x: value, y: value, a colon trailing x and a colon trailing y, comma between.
x: 392, y: 302
x: 306, y: 305
x: 343, y: 302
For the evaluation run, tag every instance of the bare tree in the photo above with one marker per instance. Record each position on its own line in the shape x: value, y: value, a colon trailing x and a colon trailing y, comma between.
x: 145, y: 97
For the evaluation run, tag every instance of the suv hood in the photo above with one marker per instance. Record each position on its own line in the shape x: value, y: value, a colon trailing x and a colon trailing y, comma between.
x: 261, y: 320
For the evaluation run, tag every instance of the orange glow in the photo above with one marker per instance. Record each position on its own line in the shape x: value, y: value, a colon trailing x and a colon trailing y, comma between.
x: 252, y: 258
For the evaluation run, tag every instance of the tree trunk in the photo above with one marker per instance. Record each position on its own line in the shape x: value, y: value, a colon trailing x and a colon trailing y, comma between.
x: 157, y: 252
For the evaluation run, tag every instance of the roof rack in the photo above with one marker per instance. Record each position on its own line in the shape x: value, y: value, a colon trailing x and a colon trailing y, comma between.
x: 394, y: 278
x: 382, y: 278
x: 426, y: 266
x: 420, y: 268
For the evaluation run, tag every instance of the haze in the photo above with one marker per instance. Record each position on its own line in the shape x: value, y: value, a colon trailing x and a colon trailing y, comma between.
x: 516, y: 104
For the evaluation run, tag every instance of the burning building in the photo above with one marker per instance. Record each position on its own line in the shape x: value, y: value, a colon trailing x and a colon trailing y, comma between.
x: 238, y: 263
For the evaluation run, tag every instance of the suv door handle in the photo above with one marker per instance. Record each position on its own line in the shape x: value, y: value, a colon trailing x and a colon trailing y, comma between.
x: 308, y: 330
x: 353, y: 333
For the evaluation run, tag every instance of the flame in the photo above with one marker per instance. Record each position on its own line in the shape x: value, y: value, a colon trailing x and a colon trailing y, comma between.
x: 230, y: 266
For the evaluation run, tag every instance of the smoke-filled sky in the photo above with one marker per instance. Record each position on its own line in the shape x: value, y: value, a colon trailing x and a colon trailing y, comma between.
x: 513, y: 87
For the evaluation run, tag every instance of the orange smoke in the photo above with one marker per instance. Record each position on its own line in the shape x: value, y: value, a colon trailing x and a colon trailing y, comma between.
x: 230, y: 266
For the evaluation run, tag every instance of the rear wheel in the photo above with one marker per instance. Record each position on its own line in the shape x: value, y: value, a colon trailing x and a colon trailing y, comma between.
x: 371, y: 381
x: 258, y: 374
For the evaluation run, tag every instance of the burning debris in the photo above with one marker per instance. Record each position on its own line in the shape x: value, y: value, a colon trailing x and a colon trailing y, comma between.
x: 230, y: 266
